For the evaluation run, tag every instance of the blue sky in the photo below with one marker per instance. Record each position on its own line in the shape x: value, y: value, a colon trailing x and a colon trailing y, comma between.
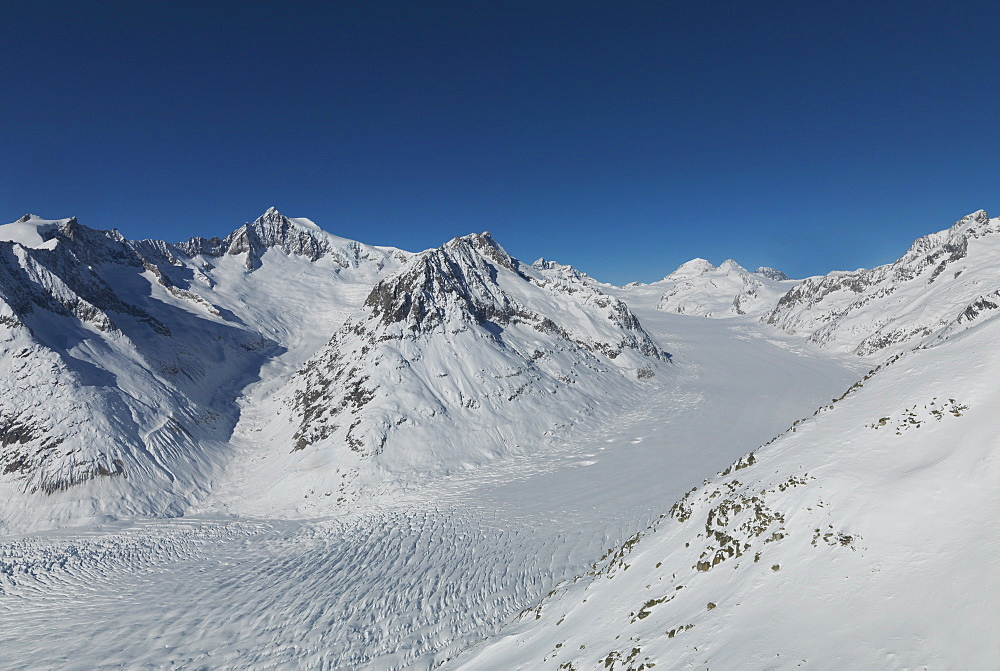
x: 623, y: 138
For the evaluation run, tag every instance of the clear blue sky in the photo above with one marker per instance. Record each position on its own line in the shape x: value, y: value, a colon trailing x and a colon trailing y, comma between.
x: 623, y: 138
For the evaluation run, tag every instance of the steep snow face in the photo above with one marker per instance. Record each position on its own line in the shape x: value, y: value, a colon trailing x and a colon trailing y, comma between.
x: 873, y: 518
x: 32, y: 231
x: 464, y: 355
x: 108, y: 409
x: 946, y: 282
x: 699, y: 288
x: 124, y: 361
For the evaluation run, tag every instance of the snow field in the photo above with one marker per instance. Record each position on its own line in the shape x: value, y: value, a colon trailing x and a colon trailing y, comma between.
x: 863, y: 537
x: 439, y: 565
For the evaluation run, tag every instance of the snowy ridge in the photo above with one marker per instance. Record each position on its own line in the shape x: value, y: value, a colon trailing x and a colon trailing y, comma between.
x: 302, y: 237
x: 32, y: 231
x: 944, y: 282
x: 557, y: 272
x: 699, y: 288
x: 150, y: 348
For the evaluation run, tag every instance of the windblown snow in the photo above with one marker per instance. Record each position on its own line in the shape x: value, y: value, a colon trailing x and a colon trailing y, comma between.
x: 286, y: 449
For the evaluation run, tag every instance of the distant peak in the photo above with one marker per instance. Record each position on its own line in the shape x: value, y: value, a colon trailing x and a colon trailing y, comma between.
x: 33, y: 231
x: 730, y: 265
x: 691, y: 268
x: 39, y: 221
x: 544, y: 264
x: 271, y: 214
x: 977, y: 217
x: 770, y: 273
x: 477, y: 240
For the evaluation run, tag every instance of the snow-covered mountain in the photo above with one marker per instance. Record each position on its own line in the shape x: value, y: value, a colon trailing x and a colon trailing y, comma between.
x: 946, y: 282
x: 106, y: 393
x: 699, y: 288
x: 129, y: 363
x: 451, y: 459
x: 463, y: 355
x: 123, y: 361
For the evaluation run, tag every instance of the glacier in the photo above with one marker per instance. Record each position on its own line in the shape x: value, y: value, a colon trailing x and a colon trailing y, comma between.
x: 285, y: 449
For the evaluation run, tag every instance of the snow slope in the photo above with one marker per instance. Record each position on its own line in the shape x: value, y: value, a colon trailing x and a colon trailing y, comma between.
x: 463, y: 356
x: 862, y: 537
x: 106, y: 409
x: 946, y: 282
x: 124, y: 361
x: 32, y: 231
x: 147, y: 374
x: 427, y: 571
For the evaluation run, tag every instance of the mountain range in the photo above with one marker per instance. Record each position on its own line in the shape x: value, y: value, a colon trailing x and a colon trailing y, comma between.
x: 467, y: 461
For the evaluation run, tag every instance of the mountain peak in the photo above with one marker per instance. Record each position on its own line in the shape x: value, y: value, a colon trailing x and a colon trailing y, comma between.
x: 34, y: 232
x: 729, y: 265
x: 771, y: 273
x: 484, y: 244
x: 271, y: 215
x: 691, y: 268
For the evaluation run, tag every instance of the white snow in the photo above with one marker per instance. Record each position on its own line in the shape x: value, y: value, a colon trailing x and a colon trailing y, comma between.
x: 31, y: 231
x: 698, y: 288
x: 526, y: 513
x: 428, y: 569
x: 945, y: 283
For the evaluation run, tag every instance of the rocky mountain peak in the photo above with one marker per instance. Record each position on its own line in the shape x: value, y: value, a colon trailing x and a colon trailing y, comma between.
x: 293, y: 236
x: 466, y: 314
x: 484, y: 245
x: 771, y: 273
x: 456, y: 281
